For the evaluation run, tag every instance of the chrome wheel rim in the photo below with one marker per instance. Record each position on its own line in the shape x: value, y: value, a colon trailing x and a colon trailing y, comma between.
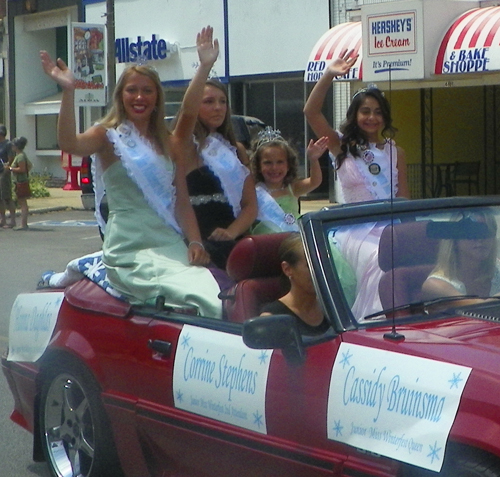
x: 69, y: 428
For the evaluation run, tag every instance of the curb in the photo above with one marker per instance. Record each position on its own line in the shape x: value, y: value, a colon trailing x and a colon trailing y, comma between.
x: 45, y: 210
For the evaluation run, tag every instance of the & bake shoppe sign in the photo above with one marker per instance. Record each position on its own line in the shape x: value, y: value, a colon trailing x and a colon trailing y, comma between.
x: 393, y: 42
x: 471, y: 44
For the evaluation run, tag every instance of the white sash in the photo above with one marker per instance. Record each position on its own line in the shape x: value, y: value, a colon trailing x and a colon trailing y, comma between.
x: 221, y: 157
x: 379, y: 185
x: 148, y: 170
x: 272, y: 214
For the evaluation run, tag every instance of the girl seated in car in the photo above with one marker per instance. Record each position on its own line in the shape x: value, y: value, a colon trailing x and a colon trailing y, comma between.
x: 301, y: 301
x: 467, y: 264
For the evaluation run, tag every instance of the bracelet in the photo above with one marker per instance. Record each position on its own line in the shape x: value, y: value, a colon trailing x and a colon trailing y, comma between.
x: 195, y: 242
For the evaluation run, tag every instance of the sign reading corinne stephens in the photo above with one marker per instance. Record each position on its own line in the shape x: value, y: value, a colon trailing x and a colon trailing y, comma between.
x: 217, y: 376
x: 393, y: 404
x: 32, y: 321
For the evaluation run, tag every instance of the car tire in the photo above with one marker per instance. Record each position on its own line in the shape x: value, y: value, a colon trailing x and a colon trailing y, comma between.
x: 462, y: 461
x: 75, y: 432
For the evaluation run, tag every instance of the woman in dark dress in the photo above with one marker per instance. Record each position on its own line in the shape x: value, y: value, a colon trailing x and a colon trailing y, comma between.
x: 220, y: 187
x: 301, y: 301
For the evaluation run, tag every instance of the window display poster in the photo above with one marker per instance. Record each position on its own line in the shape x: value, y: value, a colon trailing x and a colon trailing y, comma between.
x: 89, y: 64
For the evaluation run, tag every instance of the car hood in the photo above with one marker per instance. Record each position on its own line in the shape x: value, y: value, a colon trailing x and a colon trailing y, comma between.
x: 467, y: 341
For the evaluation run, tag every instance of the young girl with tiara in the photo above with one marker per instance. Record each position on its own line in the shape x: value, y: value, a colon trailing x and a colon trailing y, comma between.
x: 368, y: 166
x: 367, y: 162
x: 274, y: 166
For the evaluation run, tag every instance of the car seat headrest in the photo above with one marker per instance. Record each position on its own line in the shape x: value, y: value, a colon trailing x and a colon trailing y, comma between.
x: 255, y: 256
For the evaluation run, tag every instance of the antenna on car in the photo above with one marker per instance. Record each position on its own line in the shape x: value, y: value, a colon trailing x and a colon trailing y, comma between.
x: 393, y: 334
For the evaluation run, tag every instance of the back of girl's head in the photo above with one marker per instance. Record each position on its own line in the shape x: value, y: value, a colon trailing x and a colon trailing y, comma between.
x: 291, y: 159
x: 20, y: 142
x: 117, y: 113
x: 291, y: 249
x: 226, y: 128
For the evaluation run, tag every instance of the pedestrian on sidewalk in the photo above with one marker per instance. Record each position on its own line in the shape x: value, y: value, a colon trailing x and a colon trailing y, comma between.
x: 6, y: 202
x: 20, y: 168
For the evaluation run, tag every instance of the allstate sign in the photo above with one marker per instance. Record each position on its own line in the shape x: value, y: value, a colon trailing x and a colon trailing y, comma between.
x: 127, y: 50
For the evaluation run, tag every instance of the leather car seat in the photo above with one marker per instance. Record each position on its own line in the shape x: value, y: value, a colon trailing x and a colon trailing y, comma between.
x: 407, y: 256
x: 255, y: 267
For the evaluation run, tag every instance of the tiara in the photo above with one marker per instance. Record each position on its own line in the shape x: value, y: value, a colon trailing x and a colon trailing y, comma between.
x: 269, y: 135
x: 369, y: 87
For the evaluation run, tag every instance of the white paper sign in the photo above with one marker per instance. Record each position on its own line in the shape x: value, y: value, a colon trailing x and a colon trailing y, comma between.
x: 218, y: 376
x: 32, y: 321
x: 393, y: 404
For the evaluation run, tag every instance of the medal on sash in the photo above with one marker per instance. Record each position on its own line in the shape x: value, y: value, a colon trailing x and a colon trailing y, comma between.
x: 368, y: 156
x: 374, y: 168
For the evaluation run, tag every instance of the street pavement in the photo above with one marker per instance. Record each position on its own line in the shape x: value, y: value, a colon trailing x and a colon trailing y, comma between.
x: 61, y: 199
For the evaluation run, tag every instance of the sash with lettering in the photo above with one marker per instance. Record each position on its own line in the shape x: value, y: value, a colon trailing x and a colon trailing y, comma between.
x: 221, y: 158
x: 147, y: 169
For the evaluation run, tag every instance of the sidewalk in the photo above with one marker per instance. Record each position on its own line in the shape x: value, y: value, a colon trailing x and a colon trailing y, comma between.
x: 61, y: 199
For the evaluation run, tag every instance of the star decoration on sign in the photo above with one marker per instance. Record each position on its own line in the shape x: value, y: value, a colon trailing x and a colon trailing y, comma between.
x: 257, y: 419
x: 263, y: 357
x: 337, y: 428
x: 185, y: 341
x: 433, y: 454
x: 455, y: 380
x: 345, y: 359
x: 179, y: 396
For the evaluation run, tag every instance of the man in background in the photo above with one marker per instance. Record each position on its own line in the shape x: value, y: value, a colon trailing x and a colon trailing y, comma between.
x: 6, y: 202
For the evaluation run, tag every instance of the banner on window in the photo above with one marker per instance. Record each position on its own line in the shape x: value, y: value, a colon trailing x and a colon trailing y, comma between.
x: 89, y: 64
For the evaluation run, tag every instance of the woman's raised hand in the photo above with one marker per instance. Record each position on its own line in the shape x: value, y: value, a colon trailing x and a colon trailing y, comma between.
x: 208, y: 48
x: 57, y: 70
x: 343, y: 64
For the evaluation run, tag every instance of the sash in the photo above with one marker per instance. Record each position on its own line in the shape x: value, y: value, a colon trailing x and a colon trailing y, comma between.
x: 379, y: 185
x: 98, y: 184
x: 152, y: 173
x: 221, y: 158
x: 272, y: 214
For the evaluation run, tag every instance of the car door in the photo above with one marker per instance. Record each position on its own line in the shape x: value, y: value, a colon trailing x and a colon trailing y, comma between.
x: 209, y: 405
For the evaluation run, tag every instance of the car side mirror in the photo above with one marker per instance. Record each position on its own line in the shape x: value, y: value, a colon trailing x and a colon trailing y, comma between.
x: 275, y: 332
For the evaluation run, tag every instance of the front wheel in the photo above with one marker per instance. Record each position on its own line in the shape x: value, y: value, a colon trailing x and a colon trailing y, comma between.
x: 75, y: 433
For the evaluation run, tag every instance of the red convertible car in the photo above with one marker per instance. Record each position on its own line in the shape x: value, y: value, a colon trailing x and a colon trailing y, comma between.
x: 405, y: 381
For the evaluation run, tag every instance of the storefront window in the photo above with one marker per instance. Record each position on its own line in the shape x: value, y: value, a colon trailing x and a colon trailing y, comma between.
x: 46, y: 132
x: 280, y: 104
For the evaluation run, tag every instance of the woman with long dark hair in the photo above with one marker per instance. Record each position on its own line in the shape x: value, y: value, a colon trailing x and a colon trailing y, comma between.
x: 367, y: 161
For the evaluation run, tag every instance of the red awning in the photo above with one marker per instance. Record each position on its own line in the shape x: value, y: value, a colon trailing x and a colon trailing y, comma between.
x: 345, y: 36
x: 472, y: 43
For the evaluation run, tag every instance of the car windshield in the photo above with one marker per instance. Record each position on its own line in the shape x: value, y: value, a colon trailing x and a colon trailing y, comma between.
x: 412, y: 257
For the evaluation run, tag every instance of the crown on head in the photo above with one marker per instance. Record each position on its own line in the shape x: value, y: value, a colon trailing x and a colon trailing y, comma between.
x: 369, y: 87
x: 269, y: 135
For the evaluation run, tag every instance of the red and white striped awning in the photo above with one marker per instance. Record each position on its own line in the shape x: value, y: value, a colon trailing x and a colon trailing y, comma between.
x: 472, y: 43
x: 345, y: 36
